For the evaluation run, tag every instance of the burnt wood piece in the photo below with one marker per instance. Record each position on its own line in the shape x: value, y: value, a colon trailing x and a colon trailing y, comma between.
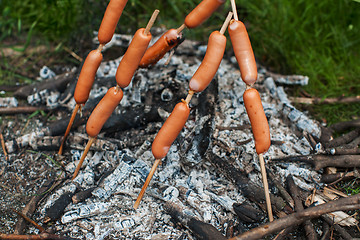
x: 200, y: 229
x: 344, y: 139
x: 330, y: 178
x: 57, y: 209
x: 342, y: 126
x: 337, y: 228
x: 322, y: 161
x: 59, y: 83
x: 248, y: 188
x: 343, y: 151
x: 344, y: 204
x: 41, y: 236
x: 19, y: 110
x: 295, y: 193
x: 248, y: 213
x: 82, y: 195
x: 281, y: 189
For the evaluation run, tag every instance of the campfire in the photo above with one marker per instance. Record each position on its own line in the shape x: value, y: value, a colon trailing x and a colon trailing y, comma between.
x: 210, y: 183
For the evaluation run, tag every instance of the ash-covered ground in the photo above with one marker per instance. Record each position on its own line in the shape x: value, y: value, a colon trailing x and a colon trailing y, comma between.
x: 117, y: 165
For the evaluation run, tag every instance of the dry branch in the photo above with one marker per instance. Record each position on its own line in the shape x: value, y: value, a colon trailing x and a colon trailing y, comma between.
x: 322, y: 161
x: 341, y: 126
x: 306, y: 100
x: 345, y: 204
x: 295, y: 192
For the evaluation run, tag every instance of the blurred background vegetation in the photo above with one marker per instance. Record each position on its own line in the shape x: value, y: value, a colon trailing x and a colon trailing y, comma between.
x: 320, y: 39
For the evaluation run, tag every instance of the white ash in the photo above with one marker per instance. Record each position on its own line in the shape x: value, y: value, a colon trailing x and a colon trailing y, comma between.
x: 46, y: 73
x: 8, y: 102
x: 109, y: 185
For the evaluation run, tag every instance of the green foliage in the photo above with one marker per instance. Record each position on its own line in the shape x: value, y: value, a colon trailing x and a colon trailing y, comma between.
x: 57, y: 20
x: 316, y: 38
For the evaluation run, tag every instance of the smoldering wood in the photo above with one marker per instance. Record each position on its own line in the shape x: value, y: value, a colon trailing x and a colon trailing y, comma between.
x: 344, y: 139
x: 82, y: 195
x: 343, y: 151
x: 337, y: 228
x: 295, y: 193
x: 59, y: 83
x: 342, y: 126
x: 326, y: 231
x: 315, y: 100
x: 57, y: 209
x: 247, y: 213
x: 284, y: 234
x: 41, y: 236
x: 283, y: 192
x: 344, y: 204
x: 243, y: 183
x: 321, y: 161
x: 21, y: 110
x: 200, y: 229
x: 330, y: 178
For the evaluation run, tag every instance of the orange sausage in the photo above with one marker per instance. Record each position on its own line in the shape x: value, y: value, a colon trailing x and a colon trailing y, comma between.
x: 170, y: 130
x: 211, y: 62
x: 131, y: 59
x: 87, y: 76
x: 243, y: 51
x: 103, y: 110
x: 110, y: 20
x: 259, y: 123
x: 202, y: 12
x: 164, y: 44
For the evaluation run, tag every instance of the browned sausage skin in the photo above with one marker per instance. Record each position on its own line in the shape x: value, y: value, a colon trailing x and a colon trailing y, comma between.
x: 103, y: 110
x: 202, y: 12
x: 170, y: 130
x: 243, y: 51
x: 87, y: 76
x: 165, y: 43
x: 110, y: 20
x: 258, y: 120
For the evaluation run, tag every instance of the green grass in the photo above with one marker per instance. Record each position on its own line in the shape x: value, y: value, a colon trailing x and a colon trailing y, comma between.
x: 319, y: 39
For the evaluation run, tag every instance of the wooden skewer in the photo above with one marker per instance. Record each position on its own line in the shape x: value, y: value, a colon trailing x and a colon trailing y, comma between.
x: 73, y: 115
x: 266, y: 187
x: 146, y: 184
x: 188, y: 97
x: 226, y: 23
x: 233, y: 6
x: 181, y: 28
x: 151, y: 21
x: 3, y: 146
x: 87, y: 148
x: 41, y: 229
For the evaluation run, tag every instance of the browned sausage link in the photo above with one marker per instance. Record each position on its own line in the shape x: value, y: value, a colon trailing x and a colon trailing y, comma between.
x: 243, y: 51
x: 103, y: 110
x: 110, y: 20
x: 130, y: 61
x: 170, y: 130
x: 202, y: 12
x: 165, y: 43
x: 210, y: 64
x: 87, y: 76
x: 259, y: 123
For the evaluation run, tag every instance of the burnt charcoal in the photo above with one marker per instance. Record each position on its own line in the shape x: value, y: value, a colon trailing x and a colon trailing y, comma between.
x: 59, y: 83
x: 57, y: 209
x: 82, y: 195
x: 248, y: 213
